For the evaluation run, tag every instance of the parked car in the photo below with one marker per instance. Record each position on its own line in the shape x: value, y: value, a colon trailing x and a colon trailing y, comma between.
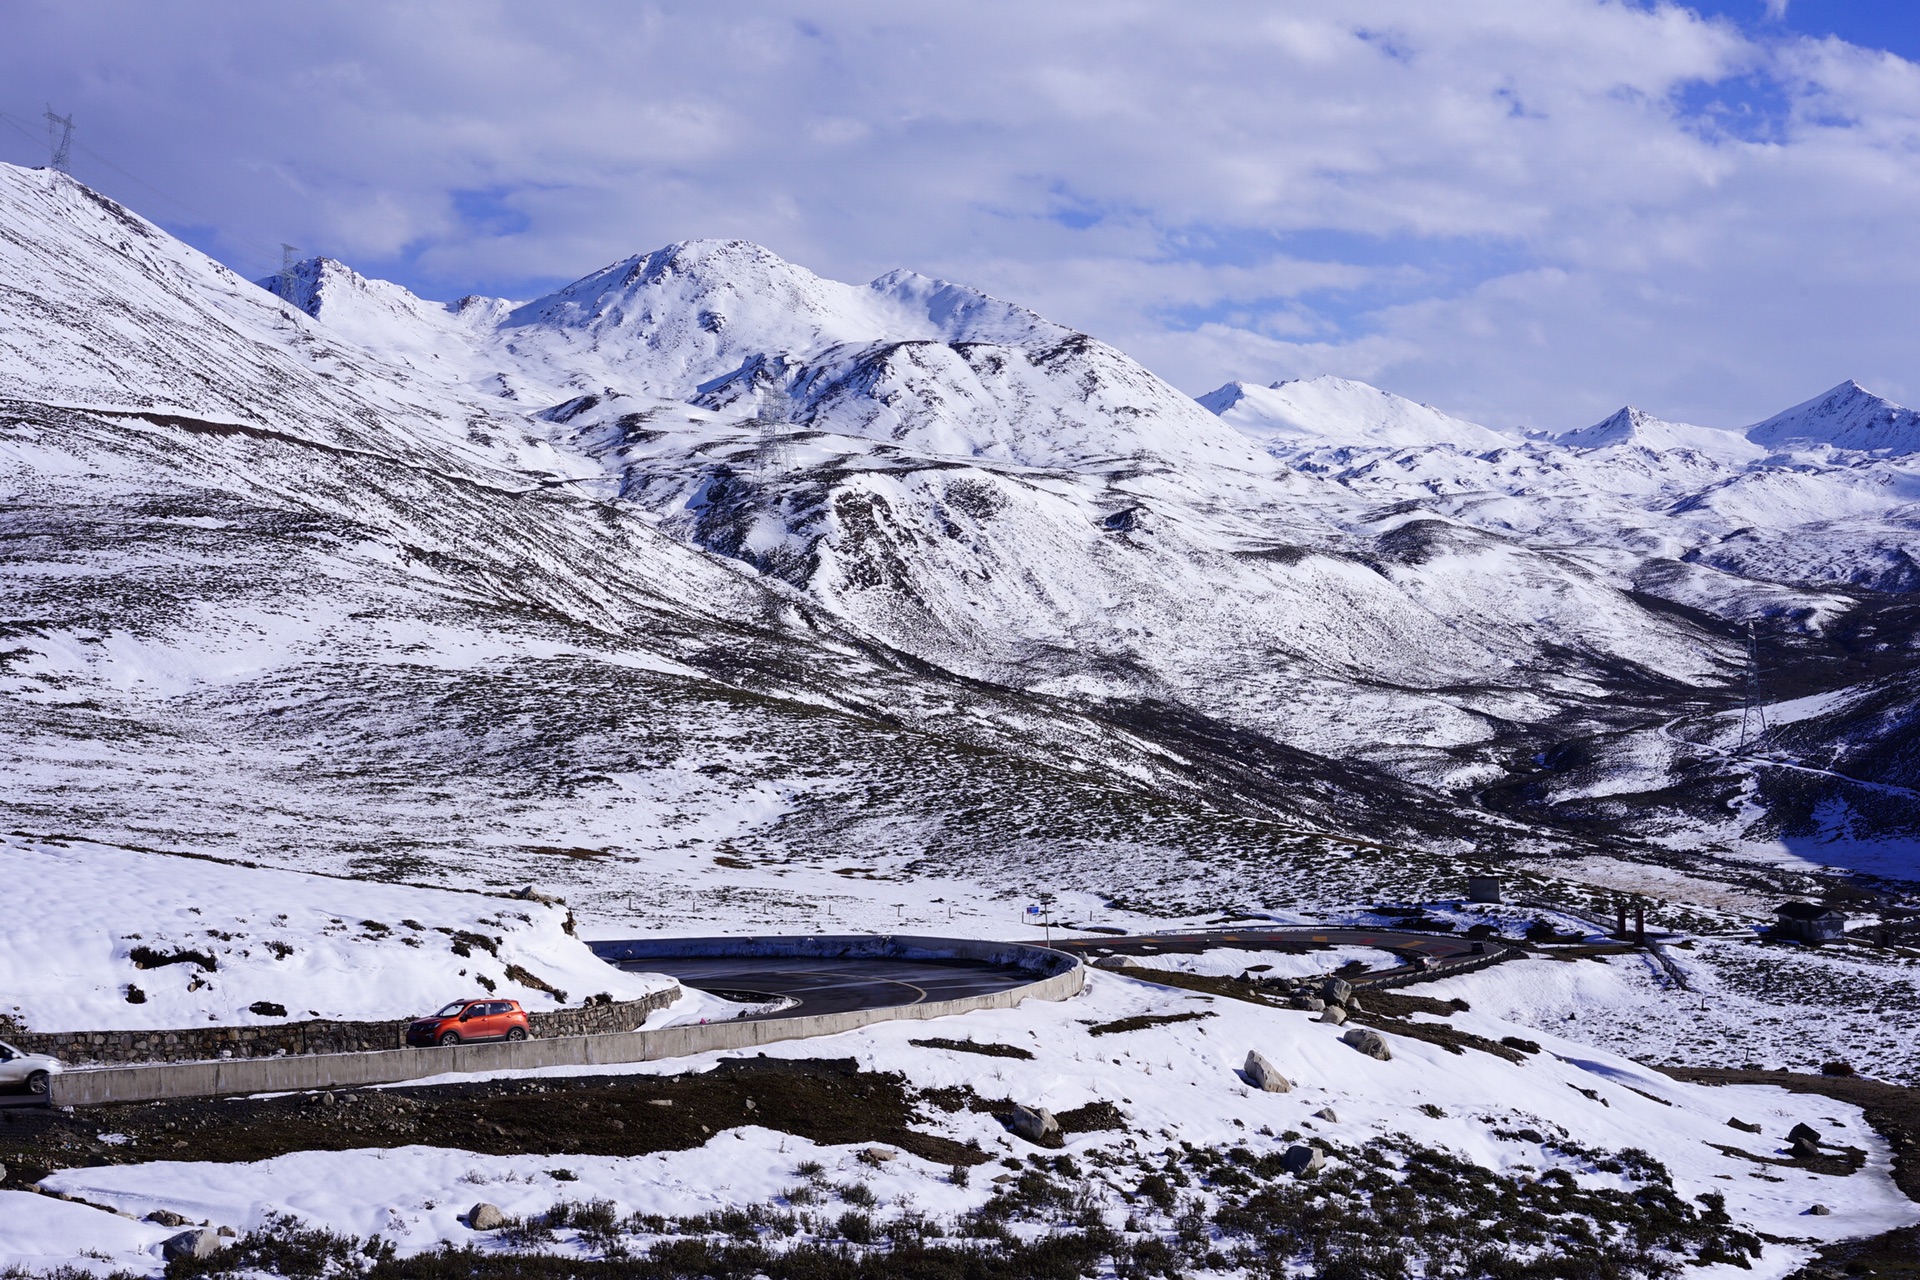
x: 34, y: 1070
x: 468, y: 1020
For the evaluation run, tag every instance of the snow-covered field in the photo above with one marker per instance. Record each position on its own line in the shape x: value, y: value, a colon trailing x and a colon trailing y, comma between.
x: 1745, y: 1003
x: 1229, y: 963
x: 200, y: 942
x: 1177, y: 1083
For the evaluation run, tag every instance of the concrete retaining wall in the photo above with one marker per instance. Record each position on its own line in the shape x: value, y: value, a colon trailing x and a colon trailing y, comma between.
x: 1008, y: 955
x: 1058, y: 976
x: 319, y: 1035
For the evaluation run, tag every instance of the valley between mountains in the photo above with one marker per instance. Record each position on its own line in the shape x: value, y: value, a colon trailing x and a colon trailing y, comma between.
x: 711, y: 596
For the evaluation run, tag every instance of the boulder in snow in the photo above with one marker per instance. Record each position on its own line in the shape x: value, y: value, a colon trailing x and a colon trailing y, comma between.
x: 1263, y: 1075
x: 1303, y: 1159
x: 1744, y: 1126
x: 201, y: 1242
x: 166, y: 1218
x: 1035, y: 1124
x: 486, y: 1217
x: 1333, y: 1013
x: 1328, y: 1114
x: 1336, y: 991
x: 1371, y: 1043
x: 1804, y: 1132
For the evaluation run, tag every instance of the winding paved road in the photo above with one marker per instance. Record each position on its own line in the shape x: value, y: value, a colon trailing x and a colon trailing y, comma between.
x: 842, y: 984
x: 832, y: 985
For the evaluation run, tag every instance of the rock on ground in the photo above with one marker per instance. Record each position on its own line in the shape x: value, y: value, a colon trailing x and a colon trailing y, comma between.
x: 1035, y: 1124
x: 201, y: 1242
x: 1371, y: 1043
x: 486, y: 1217
x: 1303, y: 1159
x: 1263, y: 1075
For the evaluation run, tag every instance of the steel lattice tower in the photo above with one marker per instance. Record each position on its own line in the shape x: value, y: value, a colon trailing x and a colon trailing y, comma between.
x: 289, y: 259
x: 774, y: 448
x: 60, y: 140
x: 1753, y: 708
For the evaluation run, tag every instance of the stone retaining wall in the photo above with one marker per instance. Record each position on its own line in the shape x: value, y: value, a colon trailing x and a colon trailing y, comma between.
x: 273, y: 1040
x: 1056, y: 977
x: 1445, y: 969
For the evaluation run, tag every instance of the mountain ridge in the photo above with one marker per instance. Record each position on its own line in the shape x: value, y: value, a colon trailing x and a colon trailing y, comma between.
x: 1033, y: 546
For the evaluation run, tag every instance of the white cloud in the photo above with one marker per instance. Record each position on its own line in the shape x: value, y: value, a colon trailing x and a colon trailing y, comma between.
x: 1517, y: 210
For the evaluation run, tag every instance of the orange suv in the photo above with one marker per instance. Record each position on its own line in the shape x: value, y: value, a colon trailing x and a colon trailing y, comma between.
x: 471, y: 1020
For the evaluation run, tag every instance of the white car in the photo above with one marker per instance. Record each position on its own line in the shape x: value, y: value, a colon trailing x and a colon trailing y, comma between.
x: 33, y: 1070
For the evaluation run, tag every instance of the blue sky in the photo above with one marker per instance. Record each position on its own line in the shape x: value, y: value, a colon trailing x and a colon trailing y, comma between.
x: 1893, y: 25
x: 1524, y: 211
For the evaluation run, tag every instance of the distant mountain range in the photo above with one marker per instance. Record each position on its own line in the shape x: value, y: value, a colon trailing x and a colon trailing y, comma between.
x: 704, y: 543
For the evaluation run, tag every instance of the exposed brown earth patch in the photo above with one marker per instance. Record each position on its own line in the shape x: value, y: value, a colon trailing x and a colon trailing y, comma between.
x: 825, y: 1100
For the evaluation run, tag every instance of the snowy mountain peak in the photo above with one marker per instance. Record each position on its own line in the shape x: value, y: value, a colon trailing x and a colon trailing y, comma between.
x: 963, y: 314
x: 1631, y: 427
x: 1847, y: 417
x: 1339, y: 411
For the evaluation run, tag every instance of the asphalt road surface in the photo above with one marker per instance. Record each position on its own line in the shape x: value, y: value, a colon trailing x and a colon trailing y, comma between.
x: 837, y: 985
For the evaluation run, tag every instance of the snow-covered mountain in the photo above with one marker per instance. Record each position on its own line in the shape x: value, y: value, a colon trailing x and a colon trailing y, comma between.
x: 1335, y: 411
x: 457, y: 583
x: 1847, y: 417
x: 1632, y: 428
x: 929, y: 365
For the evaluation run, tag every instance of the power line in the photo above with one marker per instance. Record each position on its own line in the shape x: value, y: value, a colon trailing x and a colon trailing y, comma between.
x: 267, y: 255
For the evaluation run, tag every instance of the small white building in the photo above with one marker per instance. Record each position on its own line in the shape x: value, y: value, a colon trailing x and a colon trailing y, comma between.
x: 1809, y: 923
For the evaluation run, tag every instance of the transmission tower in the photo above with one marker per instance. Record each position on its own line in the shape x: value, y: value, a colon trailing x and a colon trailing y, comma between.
x: 289, y: 259
x: 60, y: 140
x: 1753, y: 709
x: 774, y: 447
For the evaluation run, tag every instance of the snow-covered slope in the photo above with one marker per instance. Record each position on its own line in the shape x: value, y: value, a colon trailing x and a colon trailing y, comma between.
x: 973, y: 524
x: 1847, y: 417
x: 1572, y: 1121
x: 1335, y: 411
x: 312, y: 946
x: 1631, y: 427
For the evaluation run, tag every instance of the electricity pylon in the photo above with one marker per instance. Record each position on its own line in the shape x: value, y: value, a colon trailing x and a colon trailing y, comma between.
x: 1753, y: 709
x: 289, y: 259
x: 774, y: 448
x: 60, y: 140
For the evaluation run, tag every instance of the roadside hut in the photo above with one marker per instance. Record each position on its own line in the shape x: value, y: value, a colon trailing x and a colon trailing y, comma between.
x: 1809, y: 923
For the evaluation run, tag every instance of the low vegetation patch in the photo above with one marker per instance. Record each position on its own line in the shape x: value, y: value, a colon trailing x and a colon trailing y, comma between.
x: 1385, y: 1211
x: 829, y: 1101
x: 145, y: 957
x: 988, y: 1049
x: 527, y: 979
x: 1142, y: 1021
